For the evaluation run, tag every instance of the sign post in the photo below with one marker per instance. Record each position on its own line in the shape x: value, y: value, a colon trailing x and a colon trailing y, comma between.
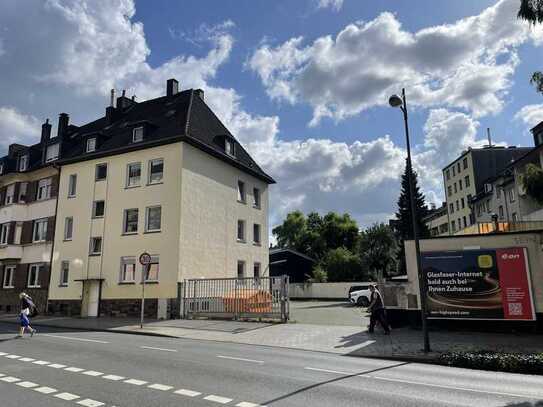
x: 145, y: 261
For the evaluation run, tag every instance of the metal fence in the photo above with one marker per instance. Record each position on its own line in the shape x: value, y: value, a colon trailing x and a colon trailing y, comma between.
x: 236, y: 298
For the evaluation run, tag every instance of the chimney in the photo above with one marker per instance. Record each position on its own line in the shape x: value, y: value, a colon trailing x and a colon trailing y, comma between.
x: 45, y: 131
x: 489, y: 138
x: 172, y: 87
x: 112, y: 98
x: 63, y: 121
x: 199, y: 93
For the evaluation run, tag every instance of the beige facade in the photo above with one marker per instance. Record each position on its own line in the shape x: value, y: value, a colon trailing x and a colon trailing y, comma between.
x: 459, y: 179
x: 199, y: 212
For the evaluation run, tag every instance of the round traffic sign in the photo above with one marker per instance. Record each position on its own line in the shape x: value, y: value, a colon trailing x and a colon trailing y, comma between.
x: 145, y: 258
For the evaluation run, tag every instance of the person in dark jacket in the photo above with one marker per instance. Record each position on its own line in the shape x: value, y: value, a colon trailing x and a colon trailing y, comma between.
x: 26, y: 308
x: 377, y: 309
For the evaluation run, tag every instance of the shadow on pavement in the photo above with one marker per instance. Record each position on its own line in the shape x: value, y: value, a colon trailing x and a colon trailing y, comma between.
x: 337, y: 379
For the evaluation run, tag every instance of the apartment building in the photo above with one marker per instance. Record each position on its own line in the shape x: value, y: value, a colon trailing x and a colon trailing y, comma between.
x: 164, y: 177
x: 437, y: 220
x: 28, y: 191
x: 465, y: 177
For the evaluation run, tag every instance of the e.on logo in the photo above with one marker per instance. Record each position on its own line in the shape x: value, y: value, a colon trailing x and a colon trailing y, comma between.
x: 506, y: 256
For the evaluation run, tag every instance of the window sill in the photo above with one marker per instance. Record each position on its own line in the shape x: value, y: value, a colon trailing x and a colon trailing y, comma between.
x: 94, y: 254
x: 63, y: 285
x: 257, y: 244
x: 97, y: 217
x: 8, y: 288
x: 155, y: 183
x: 33, y: 286
x: 71, y: 196
x: 99, y: 180
x: 152, y: 231
x: 241, y: 241
x: 38, y: 241
x: 127, y: 282
x: 67, y: 240
x: 129, y: 233
x: 151, y: 282
x: 132, y: 186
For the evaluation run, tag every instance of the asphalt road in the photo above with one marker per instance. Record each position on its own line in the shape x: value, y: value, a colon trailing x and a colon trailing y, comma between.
x: 93, y: 369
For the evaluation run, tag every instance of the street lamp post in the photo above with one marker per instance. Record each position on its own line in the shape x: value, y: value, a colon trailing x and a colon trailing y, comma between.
x: 396, y: 101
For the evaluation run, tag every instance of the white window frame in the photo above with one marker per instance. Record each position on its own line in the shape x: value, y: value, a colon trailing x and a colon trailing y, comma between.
x: 257, y: 232
x: 242, y: 192
x: 90, y: 146
x: 229, y: 147
x: 96, y: 171
x: 36, y: 230
x: 512, y: 195
x: 55, y: 148
x: 1, y: 168
x: 132, y: 182
x: 92, y: 250
x: 68, y: 221
x: 125, y: 220
x: 37, y: 267
x: 44, y: 189
x: 155, y: 260
x: 147, y: 210
x: 23, y: 162
x: 10, y: 194
x: 94, y: 215
x: 241, y: 223
x: 137, y: 134
x: 23, y: 189
x: 257, y: 196
x: 72, y: 185
x: 150, y: 176
x: 242, y: 264
x: 64, y: 273
x: 125, y: 261
x: 4, y: 233
x: 8, y: 283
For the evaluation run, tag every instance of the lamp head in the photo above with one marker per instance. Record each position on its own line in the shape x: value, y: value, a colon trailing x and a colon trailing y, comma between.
x: 395, y: 101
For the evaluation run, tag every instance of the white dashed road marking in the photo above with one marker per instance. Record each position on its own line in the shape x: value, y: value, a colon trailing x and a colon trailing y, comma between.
x: 67, y: 396
x: 113, y: 377
x: 27, y: 385
x: 74, y: 339
x: 217, y: 399
x: 27, y: 360
x: 240, y: 359
x: 3, y: 353
x: 13, y: 356
x: 90, y: 403
x: 10, y: 379
x: 162, y: 387
x: 327, y: 371
x: 188, y: 393
x: 74, y: 369
x: 57, y: 366
x: 45, y: 390
x: 162, y: 349
x: 247, y: 404
x: 92, y: 373
x: 41, y: 362
x: 136, y: 382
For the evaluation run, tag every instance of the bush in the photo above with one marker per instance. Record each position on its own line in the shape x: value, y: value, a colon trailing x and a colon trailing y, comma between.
x: 343, y: 265
x: 319, y: 275
x: 528, y: 363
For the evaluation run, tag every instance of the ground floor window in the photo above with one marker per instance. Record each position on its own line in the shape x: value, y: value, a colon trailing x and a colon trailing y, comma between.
x: 34, y: 275
x: 8, y: 276
x: 241, y: 269
x: 128, y: 270
x: 64, y: 270
x: 256, y: 270
x: 151, y: 274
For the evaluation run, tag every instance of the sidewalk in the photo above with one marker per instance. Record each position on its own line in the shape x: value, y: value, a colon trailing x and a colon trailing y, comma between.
x: 345, y: 340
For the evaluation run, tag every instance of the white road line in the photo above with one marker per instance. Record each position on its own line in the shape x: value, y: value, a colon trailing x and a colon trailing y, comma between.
x: 158, y: 386
x: 328, y: 371
x: 45, y: 390
x: 92, y: 373
x: 2, y: 374
x: 3, y: 353
x: 74, y: 339
x: 13, y: 356
x: 113, y: 377
x: 57, y: 366
x: 446, y: 387
x: 10, y: 379
x: 366, y: 343
x: 41, y: 362
x: 27, y: 360
x: 27, y: 385
x: 217, y: 399
x: 162, y: 349
x: 188, y: 393
x: 90, y: 403
x: 67, y: 396
x: 74, y: 369
x: 247, y: 404
x: 241, y: 359
x: 136, y: 382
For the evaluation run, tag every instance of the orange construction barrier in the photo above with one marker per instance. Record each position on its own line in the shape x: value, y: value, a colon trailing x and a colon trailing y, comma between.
x: 248, y: 300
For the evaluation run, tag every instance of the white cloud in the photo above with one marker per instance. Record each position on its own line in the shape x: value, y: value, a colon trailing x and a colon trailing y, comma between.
x: 333, y: 4
x: 531, y: 115
x: 17, y: 127
x: 467, y: 64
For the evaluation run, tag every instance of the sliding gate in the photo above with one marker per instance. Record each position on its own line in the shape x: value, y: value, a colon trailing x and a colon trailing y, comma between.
x: 236, y: 298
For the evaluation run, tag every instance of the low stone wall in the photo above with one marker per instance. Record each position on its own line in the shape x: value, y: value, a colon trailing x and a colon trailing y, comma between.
x: 10, y: 302
x: 128, y: 307
x: 70, y: 308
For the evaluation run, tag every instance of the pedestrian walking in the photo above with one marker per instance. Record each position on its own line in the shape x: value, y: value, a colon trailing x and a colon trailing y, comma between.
x: 27, y: 306
x: 377, y: 311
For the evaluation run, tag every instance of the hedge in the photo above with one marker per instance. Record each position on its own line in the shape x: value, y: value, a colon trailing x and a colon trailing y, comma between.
x: 528, y: 363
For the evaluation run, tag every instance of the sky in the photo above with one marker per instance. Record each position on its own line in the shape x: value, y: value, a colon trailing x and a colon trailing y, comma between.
x: 302, y: 84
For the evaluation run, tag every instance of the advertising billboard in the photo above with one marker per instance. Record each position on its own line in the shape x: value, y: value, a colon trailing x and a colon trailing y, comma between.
x: 478, y: 284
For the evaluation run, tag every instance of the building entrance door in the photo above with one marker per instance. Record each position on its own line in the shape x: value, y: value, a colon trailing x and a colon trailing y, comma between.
x: 91, y: 297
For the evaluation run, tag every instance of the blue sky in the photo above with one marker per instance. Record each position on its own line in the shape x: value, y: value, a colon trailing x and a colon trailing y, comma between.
x: 303, y: 84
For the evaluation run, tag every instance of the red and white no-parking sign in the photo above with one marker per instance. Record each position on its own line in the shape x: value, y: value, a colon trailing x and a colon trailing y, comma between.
x: 145, y: 259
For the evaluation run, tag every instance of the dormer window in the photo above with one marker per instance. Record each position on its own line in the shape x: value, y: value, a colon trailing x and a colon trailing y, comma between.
x: 91, y: 145
x: 23, y: 162
x: 229, y: 147
x: 1, y: 168
x: 137, y: 135
x: 52, y: 153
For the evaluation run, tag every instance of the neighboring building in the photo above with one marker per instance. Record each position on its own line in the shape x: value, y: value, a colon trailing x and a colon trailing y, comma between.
x: 465, y: 177
x: 28, y: 191
x: 437, y: 220
x: 296, y: 265
x: 165, y: 177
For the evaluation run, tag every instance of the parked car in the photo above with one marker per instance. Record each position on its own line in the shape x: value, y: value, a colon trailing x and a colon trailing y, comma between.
x: 360, y: 295
x: 356, y: 288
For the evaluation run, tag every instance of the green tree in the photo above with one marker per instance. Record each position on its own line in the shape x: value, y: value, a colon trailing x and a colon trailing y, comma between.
x: 342, y: 265
x: 405, y: 223
x: 378, y: 250
x: 532, y: 11
x: 532, y: 181
x: 339, y: 231
x: 291, y: 233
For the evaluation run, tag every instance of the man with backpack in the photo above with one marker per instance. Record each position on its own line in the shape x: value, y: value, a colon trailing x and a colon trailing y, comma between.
x: 27, y: 308
x: 377, y: 310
